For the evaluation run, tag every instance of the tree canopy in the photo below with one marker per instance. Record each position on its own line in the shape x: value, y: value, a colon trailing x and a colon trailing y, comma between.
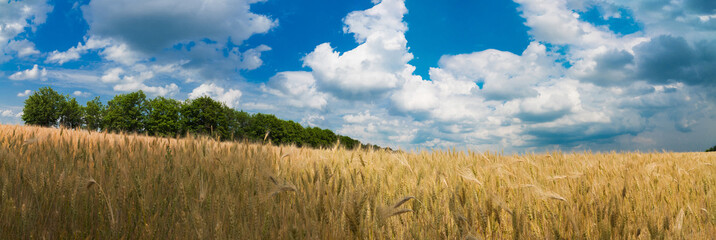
x: 93, y: 113
x: 165, y: 117
x: 712, y: 149
x: 43, y: 107
x: 126, y: 112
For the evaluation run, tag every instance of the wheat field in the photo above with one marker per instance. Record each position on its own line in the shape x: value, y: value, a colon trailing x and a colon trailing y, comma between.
x: 59, y: 184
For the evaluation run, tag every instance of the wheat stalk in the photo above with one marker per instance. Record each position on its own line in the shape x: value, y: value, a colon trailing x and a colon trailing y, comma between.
x: 91, y: 182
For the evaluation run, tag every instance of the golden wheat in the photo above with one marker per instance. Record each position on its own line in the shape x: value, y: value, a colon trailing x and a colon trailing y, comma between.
x: 194, y: 187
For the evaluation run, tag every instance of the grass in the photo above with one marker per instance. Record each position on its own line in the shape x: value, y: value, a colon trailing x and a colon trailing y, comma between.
x: 58, y: 184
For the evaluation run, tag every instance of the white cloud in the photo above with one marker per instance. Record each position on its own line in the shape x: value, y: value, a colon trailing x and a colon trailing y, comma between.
x: 130, y: 83
x: 230, y: 97
x: 10, y: 114
x: 259, y: 106
x: 22, y: 47
x: 112, y: 75
x: 7, y: 113
x: 30, y: 74
x: 81, y: 94
x: 15, y: 17
x: 63, y: 57
x: 192, y: 38
x: 25, y: 93
x: 377, y: 65
x: 313, y: 120
x: 379, y: 128
x: 108, y: 48
x: 297, y: 88
x: 74, y: 53
x: 166, y: 90
x: 120, y: 53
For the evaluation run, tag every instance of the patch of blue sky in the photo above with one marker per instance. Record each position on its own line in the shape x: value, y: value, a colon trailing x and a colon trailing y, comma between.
x: 624, y: 24
x: 302, y: 25
x: 450, y: 27
x: 64, y: 28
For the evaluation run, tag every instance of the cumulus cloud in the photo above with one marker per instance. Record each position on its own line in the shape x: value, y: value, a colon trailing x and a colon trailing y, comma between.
x: 112, y: 75
x: 22, y: 48
x: 614, y: 84
x: 230, y: 97
x: 667, y: 58
x: 144, y: 45
x: 10, y: 114
x: 131, y: 83
x: 377, y: 65
x: 7, y: 113
x: 81, y: 94
x: 209, y: 61
x: 15, y: 18
x: 297, y: 88
x: 153, y: 27
x: 25, y: 93
x: 379, y: 128
x: 30, y: 74
x: 108, y: 48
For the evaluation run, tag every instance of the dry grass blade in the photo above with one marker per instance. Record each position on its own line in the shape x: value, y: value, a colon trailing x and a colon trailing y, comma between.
x: 558, y: 177
x: 679, y: 220
x: 402, y: 201
x: 281, y: 187
x: 541, y: 192
x: 555, y: 197
x: 399, y: 211
x: 90, y: 183
x: 471, y: 237
x: 386, y: 212
x: 467, y: 174
x: 30, y: 141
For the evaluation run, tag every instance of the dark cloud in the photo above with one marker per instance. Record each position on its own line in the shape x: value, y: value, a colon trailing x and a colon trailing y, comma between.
x: 614, y: 60
x: 546, y: 116
x: 612, y: 69
x: 571, y: 135
x: 666, y: 59
x: 153, y: 26
x: 701, y: 6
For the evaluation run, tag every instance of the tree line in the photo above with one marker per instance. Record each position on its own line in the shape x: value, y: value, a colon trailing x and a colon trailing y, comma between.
x: 166, y: 117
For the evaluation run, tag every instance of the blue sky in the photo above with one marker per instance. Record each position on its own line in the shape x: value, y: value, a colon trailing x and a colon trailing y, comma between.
x: 523, y: 75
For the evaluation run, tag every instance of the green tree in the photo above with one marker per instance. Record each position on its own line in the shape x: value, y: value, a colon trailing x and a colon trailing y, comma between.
x: 126, y: 112
x: 132, y: 112
x: 712, y: 149
x: 294, y: 133
x: 42, y: 107
x: 93, y: 114
x: 319, y: 138
x: 348, y: 142
x: 163, y: 117
x: 205, y: 116
x: 260, y: 124
x: 70, y: 113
